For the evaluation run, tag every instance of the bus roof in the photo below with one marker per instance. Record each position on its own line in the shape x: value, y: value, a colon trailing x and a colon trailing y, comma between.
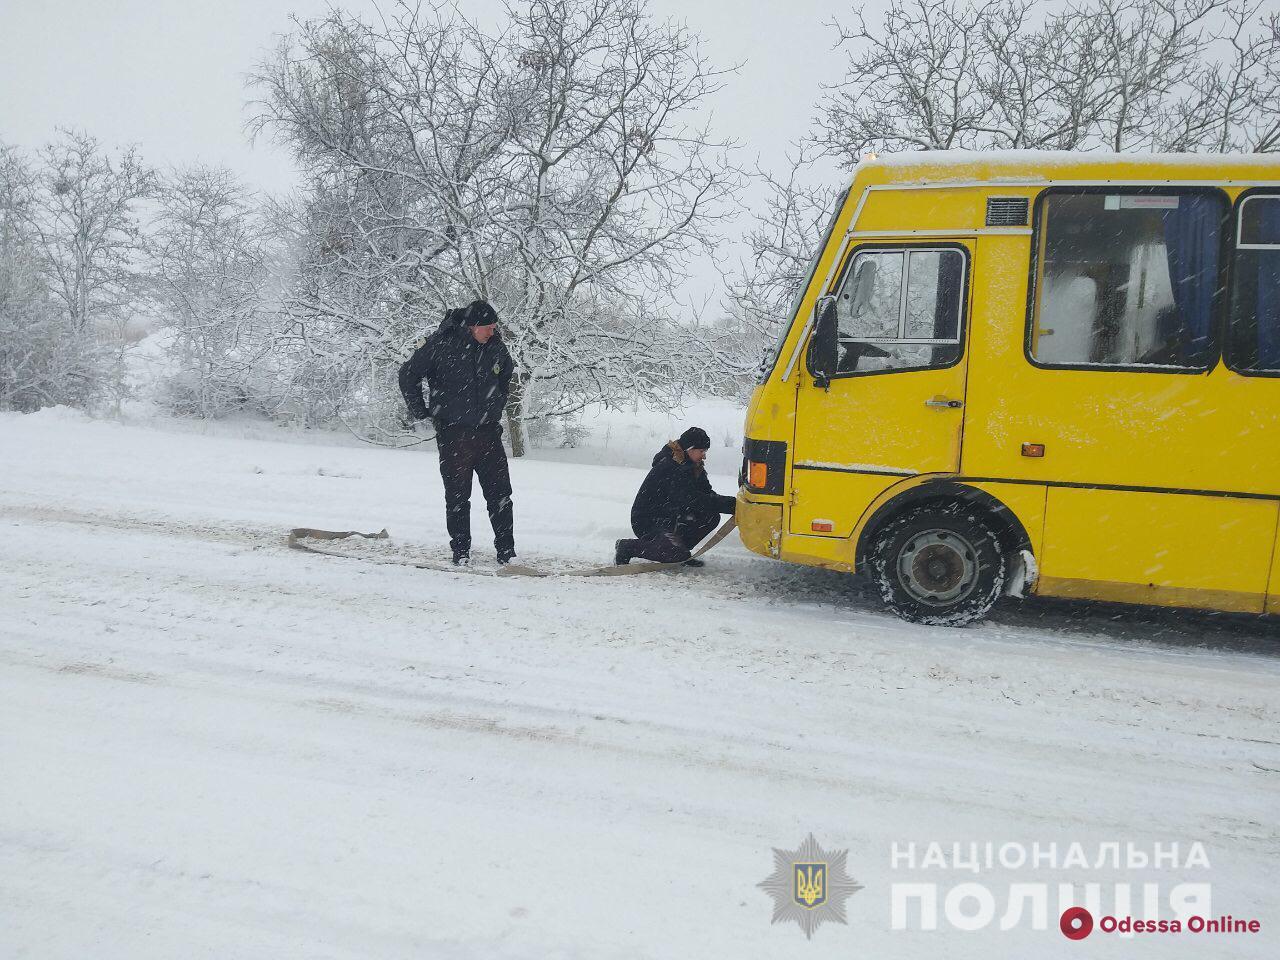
x: 1033, y: 166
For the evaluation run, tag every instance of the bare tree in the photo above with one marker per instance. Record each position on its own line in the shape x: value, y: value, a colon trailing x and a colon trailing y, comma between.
x: 1122, y: 75
x: 781, y: 242
x: 1231, y: 101
x: 1105, y: 74
x: 556, y: 169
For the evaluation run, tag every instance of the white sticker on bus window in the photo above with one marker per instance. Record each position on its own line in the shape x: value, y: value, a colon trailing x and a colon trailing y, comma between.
x: 1139, y: 202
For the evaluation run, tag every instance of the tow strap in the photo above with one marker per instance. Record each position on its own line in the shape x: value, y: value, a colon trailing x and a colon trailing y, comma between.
x: 299, y: 535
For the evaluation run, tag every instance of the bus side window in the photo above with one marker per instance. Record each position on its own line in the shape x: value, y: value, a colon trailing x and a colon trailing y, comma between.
x: 899, y: 309
x: 1254, y: 344
x: 1127, y: 279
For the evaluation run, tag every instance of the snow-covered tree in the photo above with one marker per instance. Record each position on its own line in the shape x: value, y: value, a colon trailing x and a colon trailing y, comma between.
x: 556, y: 168
x: 46, y: 357
x: 78, y: 213
x: 213, y: 287
x: 333, y: 348
x: 86, y: 220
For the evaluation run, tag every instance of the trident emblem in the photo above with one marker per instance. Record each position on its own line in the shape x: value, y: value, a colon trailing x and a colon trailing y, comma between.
x: 811, y: 885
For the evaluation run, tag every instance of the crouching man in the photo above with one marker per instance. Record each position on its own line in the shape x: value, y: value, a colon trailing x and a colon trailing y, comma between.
x: 676, y: 506
x: 468, y: 370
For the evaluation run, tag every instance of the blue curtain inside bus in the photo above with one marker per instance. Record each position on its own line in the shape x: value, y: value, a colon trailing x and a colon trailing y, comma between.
x: 1192, y: 236
x: 1268, y: 302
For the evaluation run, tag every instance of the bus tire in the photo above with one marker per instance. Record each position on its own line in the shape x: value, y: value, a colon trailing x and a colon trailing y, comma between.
x: 939, y: 563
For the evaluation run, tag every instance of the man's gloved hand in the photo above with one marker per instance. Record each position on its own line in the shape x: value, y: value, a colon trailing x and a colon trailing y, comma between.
x: 411, y: 422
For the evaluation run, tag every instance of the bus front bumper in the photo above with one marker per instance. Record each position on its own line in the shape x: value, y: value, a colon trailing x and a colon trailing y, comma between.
x: 759, y: 525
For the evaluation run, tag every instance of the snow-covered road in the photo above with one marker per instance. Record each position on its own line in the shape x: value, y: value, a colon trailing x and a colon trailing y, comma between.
x: 211, y: 746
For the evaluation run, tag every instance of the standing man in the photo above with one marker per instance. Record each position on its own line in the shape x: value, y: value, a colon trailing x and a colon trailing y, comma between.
x: 675, y: 507
x: 468, y: 371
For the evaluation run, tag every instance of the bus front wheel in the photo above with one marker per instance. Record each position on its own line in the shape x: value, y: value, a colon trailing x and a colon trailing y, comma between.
x: 938, y: 564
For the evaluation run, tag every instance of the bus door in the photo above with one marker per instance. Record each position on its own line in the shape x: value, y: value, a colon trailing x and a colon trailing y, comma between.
x: 894, y: 406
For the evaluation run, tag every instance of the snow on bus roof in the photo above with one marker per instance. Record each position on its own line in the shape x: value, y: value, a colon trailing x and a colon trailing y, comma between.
x: 1002, y: 164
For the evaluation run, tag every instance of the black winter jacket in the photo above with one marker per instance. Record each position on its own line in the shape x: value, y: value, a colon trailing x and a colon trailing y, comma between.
x: 675, y: 488
x: 468, y: 381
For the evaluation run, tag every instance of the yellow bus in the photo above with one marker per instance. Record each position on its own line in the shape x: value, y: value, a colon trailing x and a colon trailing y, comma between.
x: 1032, y: 373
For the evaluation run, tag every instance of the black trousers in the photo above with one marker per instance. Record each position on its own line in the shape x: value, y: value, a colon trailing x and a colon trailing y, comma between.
x: 670, y: 543
x: 478, y: 450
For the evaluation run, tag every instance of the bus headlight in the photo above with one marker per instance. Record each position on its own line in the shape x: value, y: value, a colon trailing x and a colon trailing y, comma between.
x: 764, y: 466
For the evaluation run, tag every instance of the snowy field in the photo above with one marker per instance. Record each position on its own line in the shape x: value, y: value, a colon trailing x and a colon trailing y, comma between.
x: 211, y: 746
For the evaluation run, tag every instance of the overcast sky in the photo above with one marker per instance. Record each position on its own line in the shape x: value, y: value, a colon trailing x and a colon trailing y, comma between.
x: 169, y: 76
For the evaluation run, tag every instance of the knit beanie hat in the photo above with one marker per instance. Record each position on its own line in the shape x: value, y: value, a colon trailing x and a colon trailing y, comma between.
x: 695, y: 438
x: 479, y: 314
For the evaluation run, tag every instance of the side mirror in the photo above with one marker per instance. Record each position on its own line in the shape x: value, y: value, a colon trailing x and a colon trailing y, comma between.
x: 821, y: 356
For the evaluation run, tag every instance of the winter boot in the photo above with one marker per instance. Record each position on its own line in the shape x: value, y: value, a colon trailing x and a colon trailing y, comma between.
x: 505, y: 557
x: 621, y: 553
x: 462, y: 559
